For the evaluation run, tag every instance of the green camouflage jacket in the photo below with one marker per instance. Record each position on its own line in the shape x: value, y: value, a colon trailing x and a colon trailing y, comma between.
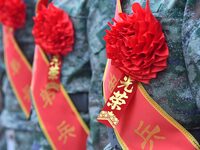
x: 1, y: 71
x: 1, y: 93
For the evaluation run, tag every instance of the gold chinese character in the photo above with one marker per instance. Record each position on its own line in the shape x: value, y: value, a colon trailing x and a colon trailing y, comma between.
x: 65, y: 131
x: 112, y: 82
x: 126, y: 84
x: 54, y: 68
x: 148, y: 135
x: 53, y: 86
x: 117, y: 100
x: 15, y: 66
x: 47, y: 96
x: 26, y: 93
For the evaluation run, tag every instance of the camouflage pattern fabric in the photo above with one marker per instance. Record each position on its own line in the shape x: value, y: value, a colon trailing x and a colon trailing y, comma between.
x: 2, y: 139
x: 1, y: 71
x: 100, y: 12
x: 191, y: 53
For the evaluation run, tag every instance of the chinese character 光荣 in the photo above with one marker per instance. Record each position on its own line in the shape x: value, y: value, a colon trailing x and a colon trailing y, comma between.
x: 116, y: 100
x: 127, y: 83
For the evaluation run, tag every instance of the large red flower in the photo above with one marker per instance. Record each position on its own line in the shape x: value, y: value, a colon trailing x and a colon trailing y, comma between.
x: 53, y: 30
x: 136, y: 44
x: 12, y: 13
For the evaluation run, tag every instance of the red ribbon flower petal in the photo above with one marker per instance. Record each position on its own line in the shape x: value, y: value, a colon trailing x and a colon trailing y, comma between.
x: 136, y: 44
x: 53, y: 30
x: 12, y: 13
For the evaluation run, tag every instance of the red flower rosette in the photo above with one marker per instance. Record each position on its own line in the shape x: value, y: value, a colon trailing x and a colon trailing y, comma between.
x: 53, y: 32
x: 136, y: 44
x: 12, y: 13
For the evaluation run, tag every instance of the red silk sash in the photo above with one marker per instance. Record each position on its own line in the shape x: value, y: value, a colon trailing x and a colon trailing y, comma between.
x: 18, y: 70
x: 145, y: 125
x: 58, y: 117
x: 140, y: 123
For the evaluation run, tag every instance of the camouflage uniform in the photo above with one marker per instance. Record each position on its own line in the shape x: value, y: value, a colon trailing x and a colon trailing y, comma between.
x: 20, y: 133
x: 2, y: 139
x: 83, y: 68
x: 1, y: 71
x: 176, y: 89
x: 100, y: 12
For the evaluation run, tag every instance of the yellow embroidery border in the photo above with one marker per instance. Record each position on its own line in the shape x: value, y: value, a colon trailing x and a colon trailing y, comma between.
x: 162, y: 112
x: 18, y: 50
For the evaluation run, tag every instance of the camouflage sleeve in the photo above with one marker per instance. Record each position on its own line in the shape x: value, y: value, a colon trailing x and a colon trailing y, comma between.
x: 24, y: 36
x: 1, y: 55
x: 2, y: 69
x: 100, y: 12
x: 191, y: 46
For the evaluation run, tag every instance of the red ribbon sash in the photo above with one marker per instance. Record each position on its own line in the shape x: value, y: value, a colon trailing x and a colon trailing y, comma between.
x: 139, y: 122
x: 58, y: 117
x: 145, y: 125
x: 18, y: 70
